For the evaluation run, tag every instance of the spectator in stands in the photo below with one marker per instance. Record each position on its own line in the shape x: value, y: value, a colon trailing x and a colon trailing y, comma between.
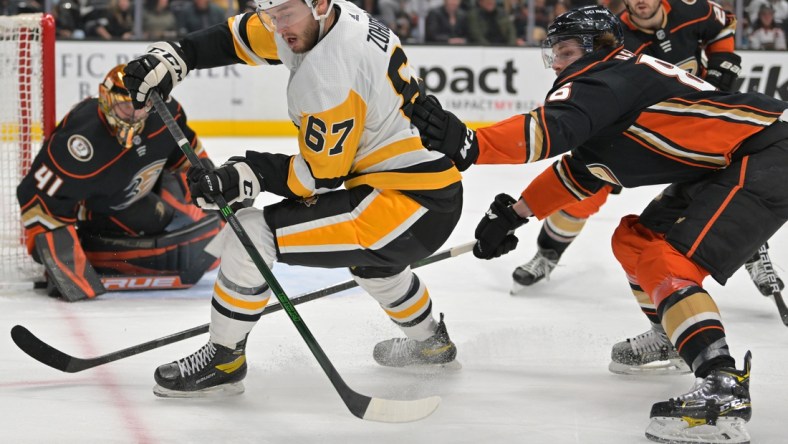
x: 399, y: 16
x: 158, y: 21
x: 780, y: 8
x: 28, y: 6
x: 447, y: 24
x: 766, y: 34
x: 200, y: 14
x: 518, y: 9
x: 116, y: 22
x: 68, y: 21
x: 561, y: 6
x: 8, y: 7
x: 488, y: 24
x: 246, y: 6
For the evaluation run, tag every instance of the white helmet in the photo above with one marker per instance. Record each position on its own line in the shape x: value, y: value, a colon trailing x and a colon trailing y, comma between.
x: 265, y: 5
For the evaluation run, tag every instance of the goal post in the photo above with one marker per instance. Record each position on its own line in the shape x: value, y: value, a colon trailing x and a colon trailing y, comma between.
x: 27, y: 117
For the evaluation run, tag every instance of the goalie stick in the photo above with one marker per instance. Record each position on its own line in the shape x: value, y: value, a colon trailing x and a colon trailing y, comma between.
x: 52, y: 357
x: 362, y: 406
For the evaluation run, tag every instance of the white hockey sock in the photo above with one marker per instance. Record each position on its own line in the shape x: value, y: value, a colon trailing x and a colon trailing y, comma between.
x: 406, y: 300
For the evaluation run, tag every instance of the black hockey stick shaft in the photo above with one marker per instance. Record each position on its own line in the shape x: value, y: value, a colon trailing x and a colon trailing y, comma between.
x: 52, y: 357
x: 777, y: 296
x: 781, y: 307
x: 361, y: 406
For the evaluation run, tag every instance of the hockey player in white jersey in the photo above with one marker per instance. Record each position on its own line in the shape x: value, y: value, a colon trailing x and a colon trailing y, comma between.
x: 350, y: 94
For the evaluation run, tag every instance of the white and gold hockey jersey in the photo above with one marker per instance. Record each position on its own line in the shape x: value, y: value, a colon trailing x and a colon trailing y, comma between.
x: 350, y: 97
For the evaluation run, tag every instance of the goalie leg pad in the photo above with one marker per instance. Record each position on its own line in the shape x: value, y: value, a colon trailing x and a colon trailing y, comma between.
x: 180, y: 253
x: 67, y: 266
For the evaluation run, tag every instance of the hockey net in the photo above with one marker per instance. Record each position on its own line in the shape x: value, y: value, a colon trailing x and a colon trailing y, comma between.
x: 27, y: 116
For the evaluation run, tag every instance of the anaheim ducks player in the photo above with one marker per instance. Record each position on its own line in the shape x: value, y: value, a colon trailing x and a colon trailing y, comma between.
x: 350, y: 94
x: 113, y: 175
x: 679, y: 32
x: 682, y: 32
x: 631, y: 121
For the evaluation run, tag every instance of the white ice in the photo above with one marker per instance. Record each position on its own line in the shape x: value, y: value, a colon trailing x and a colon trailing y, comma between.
x: 534, y: 367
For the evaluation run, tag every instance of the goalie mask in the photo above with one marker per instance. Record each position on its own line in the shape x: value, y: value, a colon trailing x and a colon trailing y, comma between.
x: 115, y: 103
x: 585, y: 26
x: 279, y: 14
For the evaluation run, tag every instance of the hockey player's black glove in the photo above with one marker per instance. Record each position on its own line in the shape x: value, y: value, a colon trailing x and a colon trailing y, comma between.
x: 163, y: 67
x: 235, y: 180
x: 495, y: 233
x: 723, y: 70
x: 443, y: 131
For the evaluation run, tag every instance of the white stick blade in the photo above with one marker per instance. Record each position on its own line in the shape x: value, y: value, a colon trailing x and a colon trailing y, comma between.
x: 389, y: 410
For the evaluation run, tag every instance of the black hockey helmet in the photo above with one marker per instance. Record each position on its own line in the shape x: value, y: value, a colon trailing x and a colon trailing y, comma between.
x: 585, y: 24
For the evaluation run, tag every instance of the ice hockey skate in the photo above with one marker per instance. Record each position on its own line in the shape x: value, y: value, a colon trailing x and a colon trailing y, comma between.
x: 213, y: 370
x: 438, y: 350
x: 649, y: 353
x: 715, y: 410
x: 534, y: 270
x: 762, y: 273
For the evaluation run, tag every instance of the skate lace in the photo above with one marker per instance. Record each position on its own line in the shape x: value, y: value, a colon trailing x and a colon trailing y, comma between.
x: 197, y: 360
x: 539, y: 266
x: 649, y: 341
x: 403, y: 347
x: 758, y: 272
x: 700, y: 390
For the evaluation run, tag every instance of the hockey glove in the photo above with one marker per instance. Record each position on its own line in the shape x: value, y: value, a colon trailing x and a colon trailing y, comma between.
x: 723, y: 70
x: 163, y: 67
x: 235, y: 180
x: 495, y: 233
x: 443, y: 131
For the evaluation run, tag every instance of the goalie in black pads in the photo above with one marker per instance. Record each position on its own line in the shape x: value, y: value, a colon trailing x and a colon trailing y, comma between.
x: 106, y: 205
x: 630, y: 120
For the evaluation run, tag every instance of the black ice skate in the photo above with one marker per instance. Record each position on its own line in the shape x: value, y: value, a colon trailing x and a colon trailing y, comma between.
x: 534, y: 270
x: 213, y: 370
x: 714, y: 411
x: 649, y: 353
x: 403, y: 352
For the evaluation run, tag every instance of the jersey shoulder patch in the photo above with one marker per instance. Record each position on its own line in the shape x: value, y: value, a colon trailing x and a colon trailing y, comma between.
x: 82, y: 144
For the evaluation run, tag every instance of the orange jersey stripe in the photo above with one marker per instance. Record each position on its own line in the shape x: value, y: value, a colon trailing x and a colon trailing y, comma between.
x: 722, y: 207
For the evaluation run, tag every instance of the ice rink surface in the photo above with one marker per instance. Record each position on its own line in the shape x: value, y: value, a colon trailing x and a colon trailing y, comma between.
x: 534, y: 367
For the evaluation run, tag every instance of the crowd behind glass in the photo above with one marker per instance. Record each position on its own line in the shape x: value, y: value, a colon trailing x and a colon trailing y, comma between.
x: 762, y: 24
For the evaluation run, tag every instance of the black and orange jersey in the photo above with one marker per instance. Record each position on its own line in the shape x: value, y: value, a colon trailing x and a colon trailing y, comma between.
x: 628, y: 120
x: 688, y: 28
x: 83, y: 167
x: 350, y: 98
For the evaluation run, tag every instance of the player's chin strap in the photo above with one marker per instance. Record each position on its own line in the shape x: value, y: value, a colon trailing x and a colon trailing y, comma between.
x: 321, y: 18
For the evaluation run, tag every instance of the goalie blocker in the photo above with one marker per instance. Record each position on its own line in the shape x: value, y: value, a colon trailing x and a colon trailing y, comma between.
x: 84, y: 268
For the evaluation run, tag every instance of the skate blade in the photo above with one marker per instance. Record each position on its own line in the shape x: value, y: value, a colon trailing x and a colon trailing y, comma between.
x: 218, y: 391
x: 679, y: 431
x: 429, y: 369
x: 519, y: 289
x: 657, y: 368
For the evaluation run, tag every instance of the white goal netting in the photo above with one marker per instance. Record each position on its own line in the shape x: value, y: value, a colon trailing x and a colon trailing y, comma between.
x: 26, y: 58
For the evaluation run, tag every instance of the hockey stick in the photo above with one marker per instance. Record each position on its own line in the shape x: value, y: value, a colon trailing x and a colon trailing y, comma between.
x: 52, y: 357
x: 777, y: 296
x: 364, y: 407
